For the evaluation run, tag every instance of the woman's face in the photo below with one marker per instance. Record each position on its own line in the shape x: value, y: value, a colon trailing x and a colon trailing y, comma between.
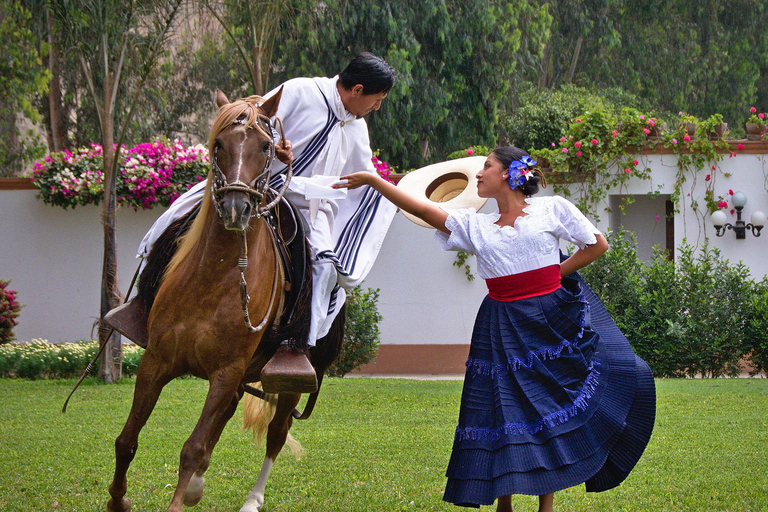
x: 491, y: 178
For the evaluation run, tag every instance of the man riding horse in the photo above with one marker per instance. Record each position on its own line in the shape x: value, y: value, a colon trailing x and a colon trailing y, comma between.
x: 326, y: 136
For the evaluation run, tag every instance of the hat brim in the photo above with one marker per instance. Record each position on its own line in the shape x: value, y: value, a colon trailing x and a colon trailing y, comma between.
x: 451, y: 185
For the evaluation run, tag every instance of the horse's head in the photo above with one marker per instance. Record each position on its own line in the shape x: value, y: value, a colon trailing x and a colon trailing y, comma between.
x: 242, y: 150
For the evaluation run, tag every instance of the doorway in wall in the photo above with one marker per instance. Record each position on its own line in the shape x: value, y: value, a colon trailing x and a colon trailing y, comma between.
x: 650, y: 218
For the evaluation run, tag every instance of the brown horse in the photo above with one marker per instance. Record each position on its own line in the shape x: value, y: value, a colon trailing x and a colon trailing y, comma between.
x: 196, y: 323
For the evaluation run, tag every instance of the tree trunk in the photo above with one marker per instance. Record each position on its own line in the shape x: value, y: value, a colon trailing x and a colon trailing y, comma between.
x: 57, y: 131
x: 111, y: 361
x: 574, y: 60
x: 545, y: 70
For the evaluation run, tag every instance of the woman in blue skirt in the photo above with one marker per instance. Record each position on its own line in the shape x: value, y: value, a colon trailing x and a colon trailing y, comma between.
x: 553, y: 395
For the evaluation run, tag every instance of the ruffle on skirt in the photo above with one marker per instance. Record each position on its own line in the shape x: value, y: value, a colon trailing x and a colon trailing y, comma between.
x: 553, y: 397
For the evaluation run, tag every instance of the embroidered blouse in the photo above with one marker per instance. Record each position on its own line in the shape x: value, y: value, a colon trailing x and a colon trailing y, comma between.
x: 532, y: 243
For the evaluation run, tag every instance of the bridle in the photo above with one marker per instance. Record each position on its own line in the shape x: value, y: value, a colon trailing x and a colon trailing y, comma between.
x: 259, y: 186
x: 259, y: 191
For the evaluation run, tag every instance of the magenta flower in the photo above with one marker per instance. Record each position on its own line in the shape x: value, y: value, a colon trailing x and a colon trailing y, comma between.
x: 635, y: 162
x: 708, y: 177
x: 656, y: 218
x: 761, y: 115
x: 647, y: 131
x: 562, y: 139
x: 614, y: 133
x: 470, y: 151
x: 577, y: 144
x: 578, y: 153
x: 741, y: 146
x: 565, y: 150
x: 686, y: 138
x: 594, y: 142
x: 627, y: 170
x: 753, y: 110
x: 722, y: 204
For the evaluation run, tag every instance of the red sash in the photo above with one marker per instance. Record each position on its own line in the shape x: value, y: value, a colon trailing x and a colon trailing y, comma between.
x: 525, y: 284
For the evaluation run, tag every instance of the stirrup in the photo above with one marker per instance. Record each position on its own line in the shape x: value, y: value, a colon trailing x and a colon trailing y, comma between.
x: 289, y: 371
x: 130, y: 320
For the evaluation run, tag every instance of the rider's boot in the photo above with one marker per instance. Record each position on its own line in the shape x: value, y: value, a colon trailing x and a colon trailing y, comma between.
x: 289, y: 371
x: 130, y: 320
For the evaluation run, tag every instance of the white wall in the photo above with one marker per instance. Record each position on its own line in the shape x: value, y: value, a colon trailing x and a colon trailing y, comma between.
x: 53, y: 257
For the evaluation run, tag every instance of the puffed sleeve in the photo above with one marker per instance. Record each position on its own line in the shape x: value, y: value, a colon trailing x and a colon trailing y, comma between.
x: 459, y: 223
x: 573, y: 226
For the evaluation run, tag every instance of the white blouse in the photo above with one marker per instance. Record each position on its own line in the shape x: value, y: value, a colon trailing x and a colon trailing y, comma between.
x: 532, y: 243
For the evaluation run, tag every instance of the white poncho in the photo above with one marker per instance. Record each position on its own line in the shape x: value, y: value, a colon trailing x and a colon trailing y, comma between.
x: 347, y: 226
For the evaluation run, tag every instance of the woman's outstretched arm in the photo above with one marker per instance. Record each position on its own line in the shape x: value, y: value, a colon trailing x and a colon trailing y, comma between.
x: 430, y: 214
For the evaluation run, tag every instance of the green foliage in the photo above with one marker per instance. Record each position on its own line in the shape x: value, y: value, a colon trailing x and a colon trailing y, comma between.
x: 699, y: 315
x: 23, y: 77
x: 470, y: 151
x: 39, y: 359
x: 9, y: 311
x: 757, y: 326
x: 361, y: 332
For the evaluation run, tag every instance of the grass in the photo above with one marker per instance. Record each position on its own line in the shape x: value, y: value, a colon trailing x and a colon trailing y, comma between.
x: 371, y: 445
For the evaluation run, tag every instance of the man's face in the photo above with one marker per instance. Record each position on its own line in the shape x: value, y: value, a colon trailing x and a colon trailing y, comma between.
x: 360, y: 104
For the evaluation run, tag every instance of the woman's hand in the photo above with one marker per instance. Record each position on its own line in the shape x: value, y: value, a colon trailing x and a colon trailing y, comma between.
x: 283, y: 152
x: 355, y: 180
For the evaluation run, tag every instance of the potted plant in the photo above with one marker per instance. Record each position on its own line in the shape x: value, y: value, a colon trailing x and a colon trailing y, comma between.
x: 713, y: 128
x: 756, y: 124
x: 686, y: 125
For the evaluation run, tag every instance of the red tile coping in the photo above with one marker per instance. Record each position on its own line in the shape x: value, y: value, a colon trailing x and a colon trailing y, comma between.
x: 17, y: 184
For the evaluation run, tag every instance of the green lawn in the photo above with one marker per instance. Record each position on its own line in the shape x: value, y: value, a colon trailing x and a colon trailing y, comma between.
x: 371, y: 445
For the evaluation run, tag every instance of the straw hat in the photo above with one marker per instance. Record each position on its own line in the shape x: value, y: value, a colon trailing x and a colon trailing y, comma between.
x: 450, y: 185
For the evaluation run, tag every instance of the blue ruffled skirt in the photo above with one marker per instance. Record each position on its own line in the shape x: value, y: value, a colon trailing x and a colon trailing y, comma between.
x: 553, y: 397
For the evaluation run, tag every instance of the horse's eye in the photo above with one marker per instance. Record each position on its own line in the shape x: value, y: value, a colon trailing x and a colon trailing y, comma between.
x: 266, y: 147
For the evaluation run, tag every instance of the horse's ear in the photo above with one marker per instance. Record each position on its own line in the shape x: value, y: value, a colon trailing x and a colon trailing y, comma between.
x: 221, y: 98
x: 270, y: 106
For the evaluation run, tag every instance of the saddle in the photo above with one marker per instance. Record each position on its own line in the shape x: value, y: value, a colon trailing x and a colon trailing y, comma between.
x: 290, y: 230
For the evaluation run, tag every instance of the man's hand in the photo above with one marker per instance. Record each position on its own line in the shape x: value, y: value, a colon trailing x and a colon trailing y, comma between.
x: 283, y: 152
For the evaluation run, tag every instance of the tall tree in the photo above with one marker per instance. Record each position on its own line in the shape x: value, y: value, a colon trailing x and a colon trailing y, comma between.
x: 115, y: 41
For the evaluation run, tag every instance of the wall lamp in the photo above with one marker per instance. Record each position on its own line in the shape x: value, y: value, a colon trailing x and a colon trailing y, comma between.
x: 739, y: 199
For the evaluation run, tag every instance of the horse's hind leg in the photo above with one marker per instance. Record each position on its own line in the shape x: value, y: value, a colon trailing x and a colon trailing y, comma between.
x: 218, y: 408
x: 197, y: 483
x: 150, y: 381
x: 276, y: 436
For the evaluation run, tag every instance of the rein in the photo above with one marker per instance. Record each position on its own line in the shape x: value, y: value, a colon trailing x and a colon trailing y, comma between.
x: 258, y: 190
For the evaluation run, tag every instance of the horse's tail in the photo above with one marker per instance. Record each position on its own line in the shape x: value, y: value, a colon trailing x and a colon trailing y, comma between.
x: 258, y: 413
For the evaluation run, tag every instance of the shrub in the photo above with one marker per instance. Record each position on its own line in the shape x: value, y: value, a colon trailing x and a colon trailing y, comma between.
x: 9, y: 311
x: 148, y: 174
x: 697, y: 316
x: 361, y: 333
x: 39, y: 359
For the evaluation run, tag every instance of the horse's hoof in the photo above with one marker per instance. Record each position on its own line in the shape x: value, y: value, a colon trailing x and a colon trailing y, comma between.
x: 194, y: 491
x: 122, y: 505
x: 253, y: 505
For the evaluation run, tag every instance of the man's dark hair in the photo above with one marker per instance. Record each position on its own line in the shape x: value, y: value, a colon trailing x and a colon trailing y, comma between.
x: 370, y: 71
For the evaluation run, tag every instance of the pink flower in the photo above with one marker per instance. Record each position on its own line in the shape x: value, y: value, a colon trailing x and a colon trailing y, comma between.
x: 578, y: 120
x: 470, y: 151
x: 741, y: 146
x: 656, y: 218
x: 733, y: 211
x: 650, y: 122
x: 761, y: 115
x: 709, y: 177
x: 614, y: 133
x: 562, y: 139
x: 730, y: 192
x: 594, y: 142
x: 635, y: 162
x: 647, y: 131
x: 642, y: 117
x: 674, y: 141
x: 565, y: 150
x: 577, y: 144
x: 686, y: 138
x: 553, y: 144
x: 753, y: 110
x: 722, y: 204
x: 578, y: 153
x: 627, y: 170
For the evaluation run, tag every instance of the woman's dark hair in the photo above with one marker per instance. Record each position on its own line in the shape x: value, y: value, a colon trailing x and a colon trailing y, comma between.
x: 370, y: 71
x: 506, y: 155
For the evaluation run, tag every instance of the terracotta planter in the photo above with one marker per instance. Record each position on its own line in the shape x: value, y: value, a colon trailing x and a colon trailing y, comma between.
x: 718, y: 132
x: 755, y: 131
x: 689, y: 129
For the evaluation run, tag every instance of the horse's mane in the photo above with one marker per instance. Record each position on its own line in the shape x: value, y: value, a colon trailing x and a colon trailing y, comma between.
x: 226, y: 115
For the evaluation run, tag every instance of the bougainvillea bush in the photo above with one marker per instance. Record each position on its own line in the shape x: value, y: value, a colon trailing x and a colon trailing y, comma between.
x: 9, y: 310
x: 149, y: 174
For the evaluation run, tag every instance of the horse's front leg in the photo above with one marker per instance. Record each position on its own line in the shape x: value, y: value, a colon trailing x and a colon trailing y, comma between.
x: 150, y: 380
x: 276, y: 436
x: 218, y: 408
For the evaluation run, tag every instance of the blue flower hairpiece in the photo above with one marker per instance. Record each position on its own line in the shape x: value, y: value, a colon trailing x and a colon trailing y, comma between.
x: 519, y: 171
